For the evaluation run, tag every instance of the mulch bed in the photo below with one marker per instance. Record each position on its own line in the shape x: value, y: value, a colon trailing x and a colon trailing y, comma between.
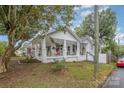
x: 15, y: 72
x: 30, y: 61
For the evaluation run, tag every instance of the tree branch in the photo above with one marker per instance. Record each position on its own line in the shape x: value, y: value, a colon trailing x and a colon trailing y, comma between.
x: 3, y: 13
x: 19, y: 45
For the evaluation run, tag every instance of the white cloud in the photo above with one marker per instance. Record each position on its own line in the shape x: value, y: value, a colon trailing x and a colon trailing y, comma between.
x: 76, y: 8
x: 86, y: 6
x: 78, y: 25
x: 121, y: 42
x: 72, y: 28
x: 119, y: 36
x: 118, y: 32
x: 85, y: 13
x: 82, y: 7
x: 118, y: 29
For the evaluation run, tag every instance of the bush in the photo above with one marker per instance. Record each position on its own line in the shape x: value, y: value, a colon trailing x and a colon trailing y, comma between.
x: 59, y: 66
x: 74, y: 61
x: 63, y: 60
x: 2, y: 47
x: 55, y: 61
x: 30, y: 60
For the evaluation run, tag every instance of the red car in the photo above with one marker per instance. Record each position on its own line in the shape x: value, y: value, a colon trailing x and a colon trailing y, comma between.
x: 120, y: 62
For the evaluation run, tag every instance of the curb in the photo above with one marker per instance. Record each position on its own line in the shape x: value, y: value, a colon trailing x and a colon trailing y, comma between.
x: 105, y: 82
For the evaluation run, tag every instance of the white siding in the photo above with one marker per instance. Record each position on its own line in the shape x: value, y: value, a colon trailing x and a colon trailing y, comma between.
x: 62, y: 35
x: 69, y: 37
x: 89, y: 46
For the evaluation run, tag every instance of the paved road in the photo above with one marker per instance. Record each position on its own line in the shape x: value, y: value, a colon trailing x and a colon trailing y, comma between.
x: 116, y: 80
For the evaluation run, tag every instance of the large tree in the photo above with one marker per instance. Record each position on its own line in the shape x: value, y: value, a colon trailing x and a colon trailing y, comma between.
x: 21, y: 23
x: 107, y: 26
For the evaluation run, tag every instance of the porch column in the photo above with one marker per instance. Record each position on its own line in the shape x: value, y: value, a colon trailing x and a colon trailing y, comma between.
x: 44, y: 54
x: 65, y: 50
x: 32, y: 50
x: 40, y: 49
x: 78, y: 49
x: 35, y: 53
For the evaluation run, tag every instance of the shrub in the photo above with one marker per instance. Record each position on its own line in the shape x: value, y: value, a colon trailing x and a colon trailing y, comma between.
x: 30, y: 60
x: 63, y: 60
x: 59, y: 66
x: 2, y: 47
x: 55, y: 61
x: 27, y: 59
x: 74, y: 61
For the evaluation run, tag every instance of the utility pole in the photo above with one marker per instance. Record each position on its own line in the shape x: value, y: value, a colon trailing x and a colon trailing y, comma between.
x: 118, y: 47
x: 96, y: 57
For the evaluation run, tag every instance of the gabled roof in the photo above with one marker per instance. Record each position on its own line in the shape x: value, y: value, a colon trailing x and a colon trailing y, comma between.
x: 83, y: 38
x: 70, y: 31
x: 74, y: 34
x: 86, y: 37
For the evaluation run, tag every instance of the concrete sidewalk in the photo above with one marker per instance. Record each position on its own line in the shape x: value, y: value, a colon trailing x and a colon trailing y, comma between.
x: 116, y: 80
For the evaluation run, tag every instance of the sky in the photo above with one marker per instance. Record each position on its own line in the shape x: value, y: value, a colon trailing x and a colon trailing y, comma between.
x: 83, y: 11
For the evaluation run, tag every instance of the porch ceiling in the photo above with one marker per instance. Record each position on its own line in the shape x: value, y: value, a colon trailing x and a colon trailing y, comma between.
x: 50, y: 42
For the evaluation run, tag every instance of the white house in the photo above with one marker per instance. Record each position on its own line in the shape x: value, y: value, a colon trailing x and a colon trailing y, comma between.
x: 60, y: 45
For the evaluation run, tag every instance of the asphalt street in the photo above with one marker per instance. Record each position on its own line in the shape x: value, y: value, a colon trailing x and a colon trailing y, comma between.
x: 116, y: 80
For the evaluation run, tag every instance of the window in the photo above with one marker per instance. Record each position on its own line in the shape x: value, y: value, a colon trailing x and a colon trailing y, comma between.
x: 74, y: 49
x: 68, y: 50
x: 39, y: 54
x: 61, y: 47
x: 92, y: 47
x: 48, y: 50
x: 39, y: 48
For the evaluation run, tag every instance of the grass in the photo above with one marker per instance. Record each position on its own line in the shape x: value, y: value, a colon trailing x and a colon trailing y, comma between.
x: 79, y: 74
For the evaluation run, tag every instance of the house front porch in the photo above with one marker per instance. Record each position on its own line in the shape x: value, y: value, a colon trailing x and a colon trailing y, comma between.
x: 51, y: 49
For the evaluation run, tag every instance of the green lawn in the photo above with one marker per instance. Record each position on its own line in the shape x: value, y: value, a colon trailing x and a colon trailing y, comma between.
x: 79, y: 74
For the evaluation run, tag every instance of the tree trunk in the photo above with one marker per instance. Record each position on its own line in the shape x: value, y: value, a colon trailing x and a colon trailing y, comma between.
x: 2, y: 67
x: 5, y: 59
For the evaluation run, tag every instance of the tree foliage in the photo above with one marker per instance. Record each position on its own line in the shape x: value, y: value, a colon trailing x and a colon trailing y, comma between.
x: 107, y: 27
x: 21, y: 23
x: 2, y: 47
x: 111, y: 45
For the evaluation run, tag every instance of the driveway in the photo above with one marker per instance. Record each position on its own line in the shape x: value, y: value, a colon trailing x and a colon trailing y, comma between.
x: 116, y: 80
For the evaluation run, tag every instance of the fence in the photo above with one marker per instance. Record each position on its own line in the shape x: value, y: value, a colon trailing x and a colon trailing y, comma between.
x: 102, y: 57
